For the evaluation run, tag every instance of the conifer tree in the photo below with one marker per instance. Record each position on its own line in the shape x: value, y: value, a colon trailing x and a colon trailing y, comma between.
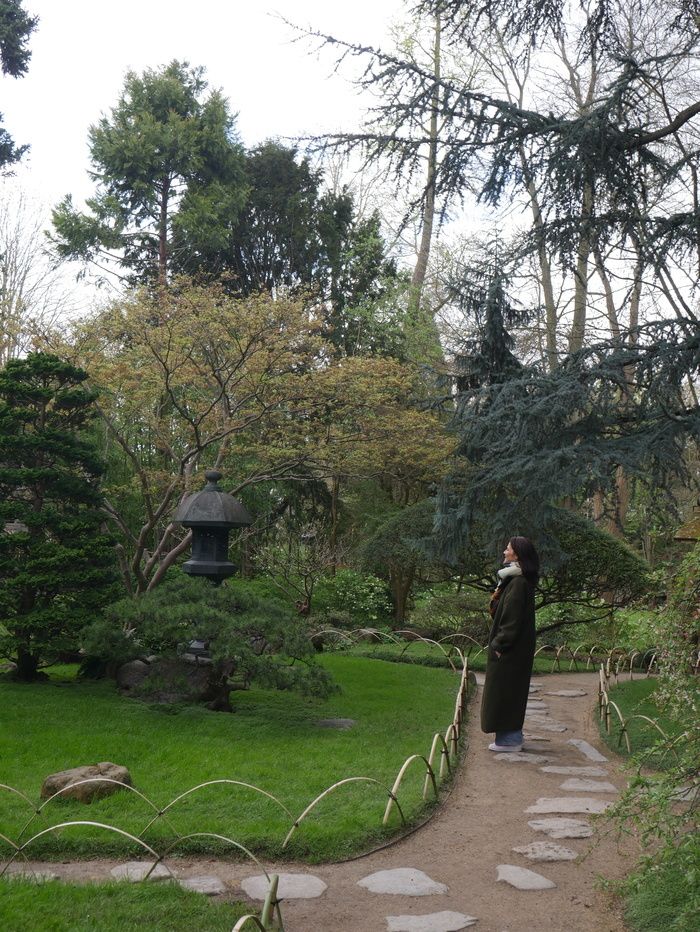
x: 56, y: 562
x: 16, y: 25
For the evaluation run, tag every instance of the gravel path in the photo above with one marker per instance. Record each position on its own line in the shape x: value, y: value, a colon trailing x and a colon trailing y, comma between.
x: 470, y: 842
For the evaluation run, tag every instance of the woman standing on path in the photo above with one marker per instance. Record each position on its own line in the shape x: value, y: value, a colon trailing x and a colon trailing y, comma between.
x: 511, y: 646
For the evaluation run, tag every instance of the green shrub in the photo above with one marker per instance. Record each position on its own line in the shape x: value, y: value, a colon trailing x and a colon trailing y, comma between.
x: 361, y: 596
x: 441, y: 612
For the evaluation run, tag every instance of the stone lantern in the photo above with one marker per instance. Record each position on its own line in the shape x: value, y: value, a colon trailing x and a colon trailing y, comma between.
x: 211, y: 514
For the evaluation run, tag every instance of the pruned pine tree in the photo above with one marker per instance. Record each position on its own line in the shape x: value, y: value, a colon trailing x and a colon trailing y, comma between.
x: 57, y: 563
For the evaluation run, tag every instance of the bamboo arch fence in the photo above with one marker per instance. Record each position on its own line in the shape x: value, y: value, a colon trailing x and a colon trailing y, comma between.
x: 443, y: 745
x: 608, y: 675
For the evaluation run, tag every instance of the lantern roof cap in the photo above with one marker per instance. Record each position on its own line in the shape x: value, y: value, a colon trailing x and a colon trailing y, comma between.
x: 212, y: 507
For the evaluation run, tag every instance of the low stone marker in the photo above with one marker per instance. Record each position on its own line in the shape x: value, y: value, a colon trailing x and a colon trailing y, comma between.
x: 562, y: 828
x: 406, y: 881
x: 84, y: 793
x: 291, y: 887
x: 446, y: 921
x: 522, y: 879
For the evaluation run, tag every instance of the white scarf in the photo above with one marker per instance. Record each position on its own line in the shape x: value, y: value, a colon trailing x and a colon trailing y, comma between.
x: 511, y: 569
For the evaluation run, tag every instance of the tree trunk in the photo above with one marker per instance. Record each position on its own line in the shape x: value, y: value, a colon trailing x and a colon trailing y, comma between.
x: 421, y: 268
x: 27, y: 665
x: 400, y: 585
x: 163, y: 235
x: 578, y: 324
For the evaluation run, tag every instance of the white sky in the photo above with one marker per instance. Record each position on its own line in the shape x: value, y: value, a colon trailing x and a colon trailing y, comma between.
x: 81, y: 50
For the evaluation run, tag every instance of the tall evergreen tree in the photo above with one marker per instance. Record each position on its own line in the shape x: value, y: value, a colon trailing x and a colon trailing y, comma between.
x: 292, y: 235
x: 16, y: 25
x: 166, y: 162
x: 57, y: 565
x: 543, y: 438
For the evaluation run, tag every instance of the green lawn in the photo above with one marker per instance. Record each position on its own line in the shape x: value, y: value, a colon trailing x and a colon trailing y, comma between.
x: 426, y: 654
x: 272, y: 740
x: 115, y: 907
x: 636, y: 697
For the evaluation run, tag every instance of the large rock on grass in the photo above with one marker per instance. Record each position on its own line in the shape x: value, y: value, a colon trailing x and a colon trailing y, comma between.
x: 86, y: 792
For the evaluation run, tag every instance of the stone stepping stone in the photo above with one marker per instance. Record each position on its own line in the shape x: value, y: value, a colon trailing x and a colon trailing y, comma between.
x: 564, y: 804
x: 546, y: 851
x: 576, y: 771
x: 406, y: 881
x: 547, y: 726
x: 445, y: 921
x: 291, y: 887
x: 577, y: 785
x: 534, y: 689
x: 562, y: 828
x: 588, y: 750
x: 567, y: 693
x: 522, y: 879
x: 686, y: 794
x: 37, y: 876
x: 207, y: 886
x: 536, y: 704
x: 523, y: 757
x: 530, y: 737
x: 343, y: 724
x: 135, y: 871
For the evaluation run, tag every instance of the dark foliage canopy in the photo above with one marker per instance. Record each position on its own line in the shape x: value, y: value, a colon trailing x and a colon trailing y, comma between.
x: 16, y: 25
x: 290, y: 234
x: 166, y: 159
x: 56, y: 561
x: 541, y: 438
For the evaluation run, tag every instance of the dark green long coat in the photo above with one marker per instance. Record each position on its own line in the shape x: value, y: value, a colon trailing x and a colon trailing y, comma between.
x: 508, y: 679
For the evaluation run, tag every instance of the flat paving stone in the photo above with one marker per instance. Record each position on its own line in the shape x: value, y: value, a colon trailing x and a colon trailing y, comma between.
x: 566, y: 804
x: 136, y: 871
x: 446, y: 921
x: 33, y: 876
x: 577, y: 785
x: 536, y: 704
x: 522, y: 879
x: 534, y: 689
x: 576, y: 771
x: 562, y: 828
x: 406, y: 881
x: 588, y: 750
x: 567, y: 693
x: 207, y: 886
x: 528, y: 736
x: 290, y: 887
x: 523, y: 757
x: 547, y: 726
x: 546, y: 851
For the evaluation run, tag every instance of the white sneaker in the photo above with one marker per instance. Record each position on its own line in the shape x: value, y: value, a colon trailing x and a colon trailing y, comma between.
x: 506, y: 748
